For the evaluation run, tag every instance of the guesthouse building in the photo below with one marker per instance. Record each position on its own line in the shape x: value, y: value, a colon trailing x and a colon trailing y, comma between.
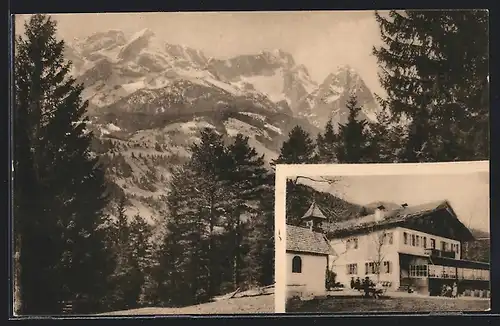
x: 410, y: 246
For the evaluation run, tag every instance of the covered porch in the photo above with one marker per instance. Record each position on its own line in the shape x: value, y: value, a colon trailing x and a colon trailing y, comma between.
x: 427, y: 275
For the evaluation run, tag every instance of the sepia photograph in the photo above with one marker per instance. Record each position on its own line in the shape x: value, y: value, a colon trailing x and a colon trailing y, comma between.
x: 398, y: 238
x: 145, y: 147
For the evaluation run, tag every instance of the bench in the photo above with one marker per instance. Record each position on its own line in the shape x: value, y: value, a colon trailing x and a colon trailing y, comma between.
x: 376, y: 290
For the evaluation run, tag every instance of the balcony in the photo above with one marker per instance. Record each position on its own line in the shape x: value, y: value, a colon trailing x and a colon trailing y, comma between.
x: 440, y: 253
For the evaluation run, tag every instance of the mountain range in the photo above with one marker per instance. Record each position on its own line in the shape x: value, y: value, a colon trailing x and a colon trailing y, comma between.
x: 148, y: 99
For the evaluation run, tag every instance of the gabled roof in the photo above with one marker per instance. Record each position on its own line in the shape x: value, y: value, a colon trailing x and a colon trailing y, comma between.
x: 314, y: 211
x: 304, y: 240
x: 395, y: 216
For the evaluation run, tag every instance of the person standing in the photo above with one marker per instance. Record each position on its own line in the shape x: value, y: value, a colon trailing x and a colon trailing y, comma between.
x: 454, y: 291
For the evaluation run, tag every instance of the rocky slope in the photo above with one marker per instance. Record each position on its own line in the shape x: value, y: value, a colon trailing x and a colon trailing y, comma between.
x: 148, y: 100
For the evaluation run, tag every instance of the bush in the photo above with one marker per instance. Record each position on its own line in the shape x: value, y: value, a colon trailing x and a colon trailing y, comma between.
x: 293, y: 300
x: 330, y: 279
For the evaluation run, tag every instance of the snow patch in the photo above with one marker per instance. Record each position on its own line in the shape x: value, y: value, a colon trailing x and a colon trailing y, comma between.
x: 273, y: 128
x: 113, y: 127
x: 225, y: 86
x: 134, y: 86
x: 254, y: 115
x: 271, y: 86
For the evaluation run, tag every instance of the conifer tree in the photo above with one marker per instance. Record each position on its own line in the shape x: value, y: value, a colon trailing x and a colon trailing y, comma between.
x: 435, y: 73
x: 183, y: 260
x: 298, y: 149
x: 59, y: 186
x: 210, y: 165
x: 248, y: 178
x: 326, y: 144
x: 385, y: 138
x: 259, y: 261
x: 352, y: 144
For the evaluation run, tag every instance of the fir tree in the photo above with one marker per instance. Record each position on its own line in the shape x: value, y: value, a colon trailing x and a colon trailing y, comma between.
x: 210, y: 166
x: 59, y: 185
x: 443, y: 96
x: 180, y: 275
x: 385, y: 138
x: 352, y: 145
x: 259, y: 261
x: 298, y: 149
x: 248, y: 177
x: 326, y: 144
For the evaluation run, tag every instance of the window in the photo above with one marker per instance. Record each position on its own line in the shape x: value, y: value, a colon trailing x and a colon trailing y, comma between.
x: 418, y: 270
x: 405, y: 238
x: 457, y: 248
x: 352, y: 269
x: 387, y: 267
x: 413, y: 240
x: 433, y: 244
x: 425, y: 242
x: 443, y: 246
x: 417, y: 243
x: 352, y: 243
x: 297, y: 264
x: 371, y: 268
x: 387, y: 238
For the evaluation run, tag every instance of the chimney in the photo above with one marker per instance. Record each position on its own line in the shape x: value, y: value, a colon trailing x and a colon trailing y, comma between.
x: 379, y: 213
x: 404, y: 205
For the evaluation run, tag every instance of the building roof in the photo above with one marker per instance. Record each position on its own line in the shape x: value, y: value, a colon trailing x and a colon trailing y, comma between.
x: 314, y: 211
x: 391, y: 217
x: 304, y: 240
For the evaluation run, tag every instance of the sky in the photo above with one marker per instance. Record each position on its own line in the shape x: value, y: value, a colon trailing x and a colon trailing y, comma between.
x: 321, y: 40
x: 468, y: 194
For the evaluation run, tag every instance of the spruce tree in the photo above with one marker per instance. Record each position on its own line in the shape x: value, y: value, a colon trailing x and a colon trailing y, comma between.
x: 352, y: 144
x: 435, y: 73
x: 326, y: 144
x: 385, y: 138
x: 298, y: 149
x: 59, y: 186
x: 248, y: 177
x: 210, y: 165
x: 259, y: 261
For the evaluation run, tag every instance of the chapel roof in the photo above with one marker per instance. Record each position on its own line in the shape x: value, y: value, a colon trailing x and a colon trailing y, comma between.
x: 307, y: 241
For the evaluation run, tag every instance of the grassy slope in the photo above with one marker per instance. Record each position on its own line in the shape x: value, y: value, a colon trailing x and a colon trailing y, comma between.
x: 402, y: 304
x: 258, y: 304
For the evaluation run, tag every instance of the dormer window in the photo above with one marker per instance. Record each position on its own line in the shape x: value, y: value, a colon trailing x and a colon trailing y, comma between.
x: 352, y: 243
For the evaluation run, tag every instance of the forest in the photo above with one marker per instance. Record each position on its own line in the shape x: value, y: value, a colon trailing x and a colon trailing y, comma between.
x: 220, y: 228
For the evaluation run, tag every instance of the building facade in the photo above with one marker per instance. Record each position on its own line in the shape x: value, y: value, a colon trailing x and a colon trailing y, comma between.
x: 418, y: 247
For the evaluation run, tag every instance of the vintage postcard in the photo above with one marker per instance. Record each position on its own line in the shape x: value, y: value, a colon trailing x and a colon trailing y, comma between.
x: 145, y: 148
x: 383, y: 237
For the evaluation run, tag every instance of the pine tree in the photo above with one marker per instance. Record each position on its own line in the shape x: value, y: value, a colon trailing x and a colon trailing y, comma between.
x: 248, y: 176
x: 435, y: 67
x: 326, y: 144
x: 259, y: 261
x: 385, y: 138
x: 211, y: 166
x: 180, y: 277
x: 138, y: 260
x: 59, y: 185
x: 352, y: 144
x: 298, y: 149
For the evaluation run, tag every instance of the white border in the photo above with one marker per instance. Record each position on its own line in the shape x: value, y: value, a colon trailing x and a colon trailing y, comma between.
x: 284, y: 171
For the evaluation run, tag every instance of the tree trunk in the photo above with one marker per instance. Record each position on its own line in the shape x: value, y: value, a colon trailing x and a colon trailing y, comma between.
x: 236, y: 257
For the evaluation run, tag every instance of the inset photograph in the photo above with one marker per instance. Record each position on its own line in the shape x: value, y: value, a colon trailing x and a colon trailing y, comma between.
x: 402, y: 238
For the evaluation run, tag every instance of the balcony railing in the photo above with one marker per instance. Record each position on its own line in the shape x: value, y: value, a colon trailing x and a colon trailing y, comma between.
x: 440, y: 253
